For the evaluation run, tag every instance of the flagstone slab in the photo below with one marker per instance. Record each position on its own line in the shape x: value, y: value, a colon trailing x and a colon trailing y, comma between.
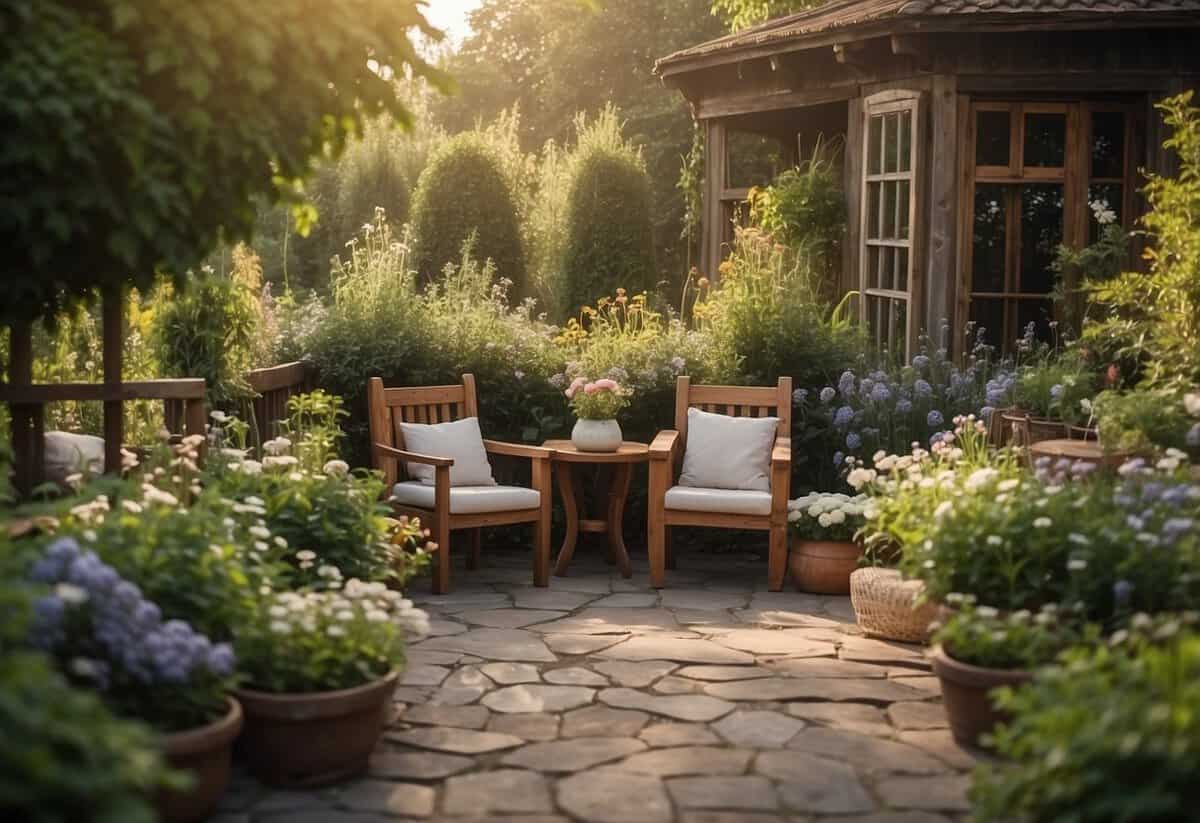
x: 457, y: 601
x: 535, y: 598
x: 527, y: 698
x: 662, y: 735
x: 911, y: 715
x: 635, y: 675
x: 387, y: 797
x: 664, y: 647
x: 689, y: 760
x: 810, y: 784
x: 676, y: 685
x: 593, y: 620
x: 496, y: 644
x: 757, y: 729
x: 455, y: 741
x: 627, y: 600
x: 410, y: 765
x: 872, y: 754
x: 825, y: 689
x: 854, y: 717
x: 529, y: 727
x: 691, y: 707
x: 508, y: 674
x: 896, y: 817
x: 702, y: 599
x: 823, y: 667
x: 575, y: 676
x: 578, y: 644
x: 945, y: 793
x: 722, y: 674
x: 423, y: 675
x: 587, y: 585
x: 461, y: 717
x: 869, y: 650
x: 575, y: 755
x: 603, y: 721
x: 443, y: 628
x: 507, y: 618
x: 414, y: 656
x: 789, y: 642
x: 741, y: 792
x: 941, y: 744
x: 466, y: 685
x: 509, y: 791
x: 612, y: 796
x: 736, y: 817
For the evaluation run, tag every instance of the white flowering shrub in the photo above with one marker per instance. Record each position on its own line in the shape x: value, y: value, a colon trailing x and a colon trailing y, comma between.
x: 827, y: 516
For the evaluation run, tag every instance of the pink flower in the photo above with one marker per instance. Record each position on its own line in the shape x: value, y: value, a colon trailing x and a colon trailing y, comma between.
x: 570, y: 392
x: 576, y: 385
x: 606, y: 384
x: 591, y: 388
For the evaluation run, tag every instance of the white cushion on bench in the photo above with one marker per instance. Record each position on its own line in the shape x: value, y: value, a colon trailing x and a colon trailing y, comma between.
x: 718, y: 501
x: 469, y: 499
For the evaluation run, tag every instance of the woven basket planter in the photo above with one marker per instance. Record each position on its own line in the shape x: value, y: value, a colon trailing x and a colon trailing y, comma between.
x: 886, y: 605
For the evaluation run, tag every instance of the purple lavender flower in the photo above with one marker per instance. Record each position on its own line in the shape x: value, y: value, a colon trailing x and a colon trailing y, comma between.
x: 838, y: 460
x: 843, y: 417
x: 920, y: 362
x: 827, y: 394
x: 846, y: 384
x: 799, y: 396
x: 853, y: 441
x: 903, y: 406
x: 880, y: 393
x: 1056, y: 391
x: 934, y: 419
x: 1122, y: 590
x: 922, y: 388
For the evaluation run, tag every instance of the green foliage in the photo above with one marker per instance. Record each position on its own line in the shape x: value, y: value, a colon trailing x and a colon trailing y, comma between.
x: 1058, y: 387
x: 1112, y: 734
x: 149, y: 128
x: 1142, y: 420
x: 1156, y: 314
x: 740, y: 14
x: 64, y: 758
x: 464, y: 195
x: 982, y: 636
x: 609, y: 236
x: 210, y: 327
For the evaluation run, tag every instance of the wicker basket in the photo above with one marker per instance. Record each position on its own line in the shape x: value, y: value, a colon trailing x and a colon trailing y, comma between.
x: 884, y: 604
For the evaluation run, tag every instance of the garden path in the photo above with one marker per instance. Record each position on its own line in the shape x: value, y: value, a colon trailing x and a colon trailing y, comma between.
x: 602, y: 700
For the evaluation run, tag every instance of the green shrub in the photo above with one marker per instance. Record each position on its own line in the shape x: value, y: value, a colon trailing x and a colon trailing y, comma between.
x: 1111, y: 735
x: 608, y: 229
x: 462, y: 194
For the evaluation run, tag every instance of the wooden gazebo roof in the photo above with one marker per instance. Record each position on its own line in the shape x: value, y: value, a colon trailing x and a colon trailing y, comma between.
x: 847, y: 20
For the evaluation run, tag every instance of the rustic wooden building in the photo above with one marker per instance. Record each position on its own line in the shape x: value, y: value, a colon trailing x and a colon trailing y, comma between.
x: 978, y: 134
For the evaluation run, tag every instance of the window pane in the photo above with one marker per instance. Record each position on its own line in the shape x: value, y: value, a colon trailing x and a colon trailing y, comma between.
x: 1041, y: 234
x: 906, y: 141
x: 754, y: 159
x: 902, y: 218
x: 1045, y: 140
x: 988, y: 315
x: 902, y: 269
x: 1108, y: 144
x: 987, y: 257
x: 898, y: 340
x: 873, y: 191
x: 889, y: 209
x: 890, y: 139
x: 873, y: 267
x: 1037, y: 312
x: 992, y: 131
x: 874, y: 142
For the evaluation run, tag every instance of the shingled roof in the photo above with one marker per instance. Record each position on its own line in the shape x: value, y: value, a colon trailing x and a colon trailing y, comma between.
x: 853, y: 16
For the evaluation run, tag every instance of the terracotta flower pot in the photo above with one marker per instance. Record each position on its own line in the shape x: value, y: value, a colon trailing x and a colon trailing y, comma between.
x: 965, y: 695
x: 205, y: 752
x: 316, y: 738
x: 824, y: 566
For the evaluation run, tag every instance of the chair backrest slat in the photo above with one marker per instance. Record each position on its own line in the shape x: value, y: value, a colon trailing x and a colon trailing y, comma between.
x: 388, y: 407
x: 743, y: 401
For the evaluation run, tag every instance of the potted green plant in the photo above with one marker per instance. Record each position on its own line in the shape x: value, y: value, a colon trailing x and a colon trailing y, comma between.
x: 319, y: 671
x: 824, y: 550
x: 596, y: 403
x: 1054, y: 395
x: 105, y: 635
x: 979, y: 649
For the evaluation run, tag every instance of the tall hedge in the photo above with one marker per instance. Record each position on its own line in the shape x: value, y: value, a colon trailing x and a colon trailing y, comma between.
x: 610, y: 235
x: 464, y: 191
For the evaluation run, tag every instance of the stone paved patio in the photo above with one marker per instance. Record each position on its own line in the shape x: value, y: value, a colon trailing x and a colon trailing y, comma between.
x: 600, y: 699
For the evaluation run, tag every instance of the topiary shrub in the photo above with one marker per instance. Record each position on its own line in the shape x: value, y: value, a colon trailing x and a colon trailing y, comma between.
x: 464, y: 192
x: 610, y: 236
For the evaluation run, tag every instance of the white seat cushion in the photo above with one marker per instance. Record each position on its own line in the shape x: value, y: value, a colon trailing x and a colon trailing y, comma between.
x: 469, y: 499
x: 460, y: 440
x: 718, y: 501
x: 726, y: 452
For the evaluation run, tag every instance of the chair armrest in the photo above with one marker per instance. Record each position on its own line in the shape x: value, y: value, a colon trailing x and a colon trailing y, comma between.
x: 413, y: 457
x: 517, y: 450
x: 665, y: 444
x: 782, y: 453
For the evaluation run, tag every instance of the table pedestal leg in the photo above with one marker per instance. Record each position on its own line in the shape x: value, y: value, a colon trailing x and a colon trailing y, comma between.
x: 566, y: 487
x: 617, y: 492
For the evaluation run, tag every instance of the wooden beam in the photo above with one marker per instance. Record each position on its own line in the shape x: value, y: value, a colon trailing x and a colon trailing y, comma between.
x: 112, y: 315
x: 851, y: 53
x: 772, y: 101
x: 185, y: 388
x: 941, y: 262
x: 917, y: 48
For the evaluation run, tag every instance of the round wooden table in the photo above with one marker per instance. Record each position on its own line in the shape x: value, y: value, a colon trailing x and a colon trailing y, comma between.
x: 1088, y: 451
x: 614, y: 471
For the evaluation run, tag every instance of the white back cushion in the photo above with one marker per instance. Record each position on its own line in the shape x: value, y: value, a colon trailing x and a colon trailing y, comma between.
x: 725, y: 452
x: 461, y: 440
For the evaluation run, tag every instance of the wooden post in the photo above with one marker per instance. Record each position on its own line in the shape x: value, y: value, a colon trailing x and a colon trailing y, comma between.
x: 715, y: 179
x: 27, y: 468
x: 112, y: 309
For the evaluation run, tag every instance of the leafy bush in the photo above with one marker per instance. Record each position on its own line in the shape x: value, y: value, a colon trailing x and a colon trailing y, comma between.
x: 1058, y: 388
x: 982, y: 636
x: 464, y: 193
x: 1142, y: 420
x: 608, y: 230
x: 1112, y: 734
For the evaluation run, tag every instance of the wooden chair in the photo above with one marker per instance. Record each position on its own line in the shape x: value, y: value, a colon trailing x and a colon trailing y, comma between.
x: 388, y: 407
x: 666, y: 459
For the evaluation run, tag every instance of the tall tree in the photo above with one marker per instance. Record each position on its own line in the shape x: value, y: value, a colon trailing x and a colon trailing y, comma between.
x: 554, y: 58
x: 738, y: 14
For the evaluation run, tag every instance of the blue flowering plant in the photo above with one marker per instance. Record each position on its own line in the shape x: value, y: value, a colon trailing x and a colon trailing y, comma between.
x: 105, y: 635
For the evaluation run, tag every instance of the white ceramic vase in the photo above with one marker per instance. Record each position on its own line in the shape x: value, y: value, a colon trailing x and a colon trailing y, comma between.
x: 596, y: 435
